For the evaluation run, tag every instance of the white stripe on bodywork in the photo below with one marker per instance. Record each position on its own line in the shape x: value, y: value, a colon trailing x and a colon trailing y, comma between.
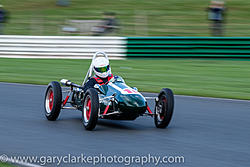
x: 122, y: 90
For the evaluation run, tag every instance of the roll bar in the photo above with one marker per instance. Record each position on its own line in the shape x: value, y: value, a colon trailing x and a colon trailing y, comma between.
x: 90, y: 70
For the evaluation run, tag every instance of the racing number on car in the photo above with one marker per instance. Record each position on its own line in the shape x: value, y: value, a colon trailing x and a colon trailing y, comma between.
x: 130, y: 91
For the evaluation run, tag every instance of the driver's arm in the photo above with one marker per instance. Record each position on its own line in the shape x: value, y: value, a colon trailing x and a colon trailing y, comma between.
x: 89, y: 84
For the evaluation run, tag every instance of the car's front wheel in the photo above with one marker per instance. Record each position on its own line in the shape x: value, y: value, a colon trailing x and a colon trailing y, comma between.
x: 53, y: 100
x: 90, y: 109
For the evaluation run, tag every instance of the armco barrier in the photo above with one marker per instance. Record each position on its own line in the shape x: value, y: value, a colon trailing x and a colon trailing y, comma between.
x: 74, y: 47
x: 188, y: 47
x: 61, y: 46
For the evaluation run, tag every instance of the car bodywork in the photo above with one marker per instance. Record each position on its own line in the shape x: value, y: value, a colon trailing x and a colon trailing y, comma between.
x: 117, y: 100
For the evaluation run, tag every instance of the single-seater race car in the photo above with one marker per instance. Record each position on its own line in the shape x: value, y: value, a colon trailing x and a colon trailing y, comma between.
x: 114, y: 100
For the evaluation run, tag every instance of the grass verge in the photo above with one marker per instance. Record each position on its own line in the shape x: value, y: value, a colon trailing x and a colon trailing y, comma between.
x: 198, y: 77
x: 5, y: 165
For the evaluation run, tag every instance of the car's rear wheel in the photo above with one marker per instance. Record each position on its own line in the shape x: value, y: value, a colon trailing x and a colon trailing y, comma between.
x: 164, y: 108
x: 53, y: 101
x: 90, y: 109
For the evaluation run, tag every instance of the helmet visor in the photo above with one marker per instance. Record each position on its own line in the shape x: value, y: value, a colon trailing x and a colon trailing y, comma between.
x: 102, y: 69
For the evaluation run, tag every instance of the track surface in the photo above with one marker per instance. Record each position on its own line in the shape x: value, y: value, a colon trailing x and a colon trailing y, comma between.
x: 207, y: 132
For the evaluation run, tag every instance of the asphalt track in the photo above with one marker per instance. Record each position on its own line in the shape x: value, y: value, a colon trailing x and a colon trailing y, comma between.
x: 207, y: 132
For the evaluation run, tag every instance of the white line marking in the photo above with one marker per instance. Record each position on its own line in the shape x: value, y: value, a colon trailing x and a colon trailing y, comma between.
x: 154, y: 94
x: 21, y: 163
x: 22, y: 84
x: 205, y: 98
x: 213, y: 98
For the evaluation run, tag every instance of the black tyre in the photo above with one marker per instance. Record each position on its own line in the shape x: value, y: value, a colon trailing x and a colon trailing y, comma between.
x: 90, y: 109
x: 53, y: 101
x: 164, y: 108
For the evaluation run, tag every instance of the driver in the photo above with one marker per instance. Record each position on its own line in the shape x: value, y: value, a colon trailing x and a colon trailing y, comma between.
x: 102, y: 71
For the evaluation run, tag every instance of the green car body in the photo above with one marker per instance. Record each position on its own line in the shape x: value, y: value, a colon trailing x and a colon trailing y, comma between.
x: 128, y: 102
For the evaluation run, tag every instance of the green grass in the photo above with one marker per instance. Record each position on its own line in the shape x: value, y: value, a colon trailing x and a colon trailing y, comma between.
x: 199, y: 77
x: 137, y: 17
x: 5, y: 165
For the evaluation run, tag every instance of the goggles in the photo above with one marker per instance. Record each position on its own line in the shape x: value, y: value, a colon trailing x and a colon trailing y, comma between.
x: 102, y: 69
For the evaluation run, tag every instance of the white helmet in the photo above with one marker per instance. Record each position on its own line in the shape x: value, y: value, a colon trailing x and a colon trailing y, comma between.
x: 101, y: 67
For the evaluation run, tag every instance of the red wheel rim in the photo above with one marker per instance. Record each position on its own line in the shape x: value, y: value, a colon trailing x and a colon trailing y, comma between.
x: 51, y: 100
x: 164, y: 99
x: 88, y: 112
